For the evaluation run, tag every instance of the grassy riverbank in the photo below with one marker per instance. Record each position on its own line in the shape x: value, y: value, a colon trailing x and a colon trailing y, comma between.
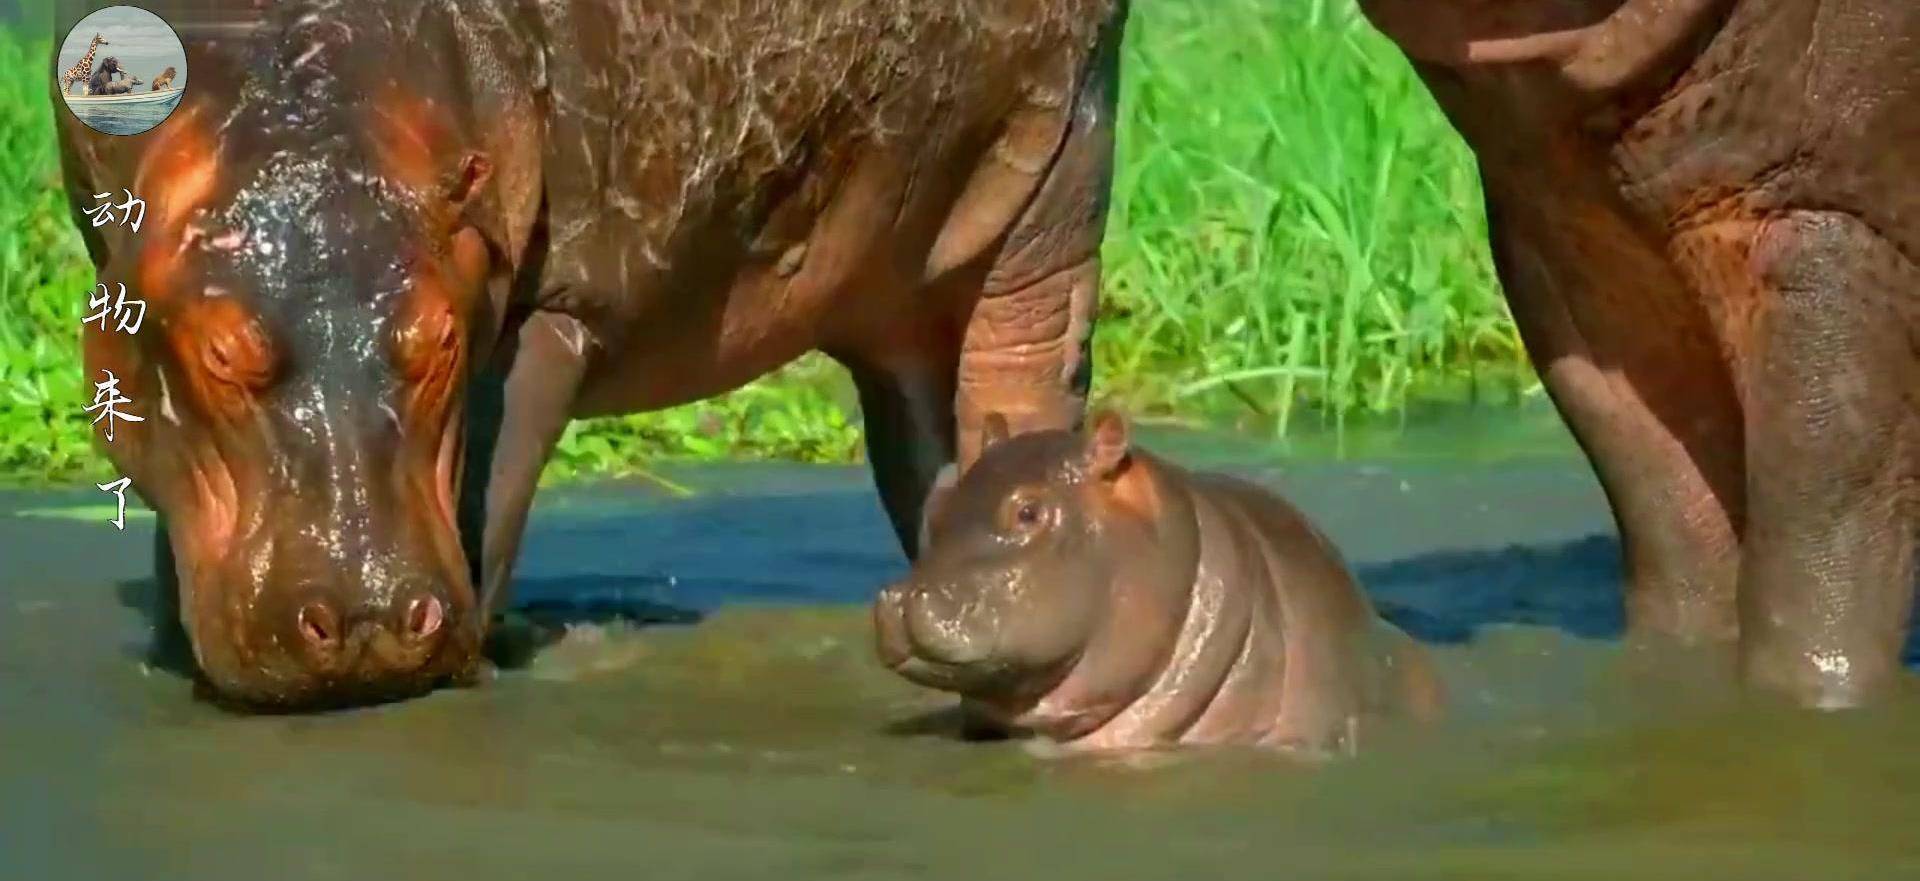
x: 1295, y: 229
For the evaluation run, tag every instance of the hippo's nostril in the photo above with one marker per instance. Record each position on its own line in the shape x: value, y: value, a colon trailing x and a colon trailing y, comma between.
x: 320, y: 625
x: 424, y: 617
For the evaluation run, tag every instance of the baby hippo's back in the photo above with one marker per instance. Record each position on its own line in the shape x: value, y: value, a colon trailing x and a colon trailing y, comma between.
x: 1342, y: 664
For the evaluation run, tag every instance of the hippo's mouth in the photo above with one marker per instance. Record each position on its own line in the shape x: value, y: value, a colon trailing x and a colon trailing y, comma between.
x: 985, y: 677
x: 320, y: 696
x: 351, y: 690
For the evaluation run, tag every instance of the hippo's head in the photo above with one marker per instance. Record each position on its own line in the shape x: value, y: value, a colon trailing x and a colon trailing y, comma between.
x: 321, y: 263
x: 1018, y: 566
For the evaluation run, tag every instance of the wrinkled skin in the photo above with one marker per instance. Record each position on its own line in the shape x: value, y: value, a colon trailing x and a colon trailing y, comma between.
x: 1080, y: 589
x: 392, y: 248
x: 1705, y: 218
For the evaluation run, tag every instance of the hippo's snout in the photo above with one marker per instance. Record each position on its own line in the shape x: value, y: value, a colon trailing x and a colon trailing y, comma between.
x: 889, y: 628
x: 390, y: 627
x: 923, y: 634
x: 412, y: 626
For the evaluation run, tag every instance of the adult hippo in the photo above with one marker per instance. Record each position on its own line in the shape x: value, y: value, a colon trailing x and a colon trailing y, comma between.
x: 1705, y: 217
x: 393, y: 248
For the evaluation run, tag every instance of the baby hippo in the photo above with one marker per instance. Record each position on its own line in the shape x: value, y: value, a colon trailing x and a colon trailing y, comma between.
x: 1075, y: 587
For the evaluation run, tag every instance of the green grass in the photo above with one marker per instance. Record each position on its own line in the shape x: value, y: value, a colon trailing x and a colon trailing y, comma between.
x: 1295, y: 229
x: 44, y: 280
x: 1294, y: 223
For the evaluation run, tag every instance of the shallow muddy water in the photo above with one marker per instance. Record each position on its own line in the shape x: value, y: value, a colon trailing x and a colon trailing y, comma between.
x: 764, y: 741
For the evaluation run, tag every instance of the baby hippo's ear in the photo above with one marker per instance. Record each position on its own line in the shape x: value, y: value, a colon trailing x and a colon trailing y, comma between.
x: 1108, y: 443
x: 936, y: 499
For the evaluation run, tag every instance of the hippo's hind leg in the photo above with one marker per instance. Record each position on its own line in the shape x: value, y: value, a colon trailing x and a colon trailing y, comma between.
x: 1026, y: 349
x: 1826, y: 583
x: 1631, y: 361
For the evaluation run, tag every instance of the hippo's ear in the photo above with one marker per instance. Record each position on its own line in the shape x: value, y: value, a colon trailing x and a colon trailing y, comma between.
x: 1108, y: 443
x: 993, y: 430
x: 421, y: 148
x: 467, y: 179
x: 943, y: 484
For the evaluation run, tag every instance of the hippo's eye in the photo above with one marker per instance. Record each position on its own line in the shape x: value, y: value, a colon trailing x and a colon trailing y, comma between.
x: 235, y: 351
x: 1025, y: 514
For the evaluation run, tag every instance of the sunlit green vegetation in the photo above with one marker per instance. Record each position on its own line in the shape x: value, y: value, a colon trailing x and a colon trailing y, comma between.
x: 1295, y: 230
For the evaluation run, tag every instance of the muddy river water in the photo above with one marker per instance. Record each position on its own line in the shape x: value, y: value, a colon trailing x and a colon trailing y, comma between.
x: 764, y: 741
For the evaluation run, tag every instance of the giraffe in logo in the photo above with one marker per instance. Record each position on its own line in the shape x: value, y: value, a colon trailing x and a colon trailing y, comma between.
x: 82, y: 70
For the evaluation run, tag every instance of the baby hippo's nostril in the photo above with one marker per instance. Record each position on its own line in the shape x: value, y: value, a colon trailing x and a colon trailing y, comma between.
x: 320, y: 626
x: 424, y: 617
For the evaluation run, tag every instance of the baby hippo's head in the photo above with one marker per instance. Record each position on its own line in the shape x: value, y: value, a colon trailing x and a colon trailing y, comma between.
x: 1017, y: 559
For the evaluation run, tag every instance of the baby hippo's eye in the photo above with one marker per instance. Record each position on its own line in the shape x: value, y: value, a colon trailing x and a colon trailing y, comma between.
x: 1024, y: 514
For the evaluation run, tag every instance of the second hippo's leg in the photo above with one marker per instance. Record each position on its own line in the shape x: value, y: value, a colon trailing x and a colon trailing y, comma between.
x: 1026, y: 350
x: 517, y: 417
x: 1833, y: 441
x: 1656, y: 413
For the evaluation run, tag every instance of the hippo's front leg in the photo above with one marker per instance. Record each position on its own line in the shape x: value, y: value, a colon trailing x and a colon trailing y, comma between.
x: 1833, y: 445
x: 906, y: 403
x: 1026, y: 351
x: 518, y: 414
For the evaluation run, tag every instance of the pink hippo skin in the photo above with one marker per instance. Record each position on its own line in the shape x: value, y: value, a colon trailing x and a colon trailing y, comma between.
x: 1086, y: 591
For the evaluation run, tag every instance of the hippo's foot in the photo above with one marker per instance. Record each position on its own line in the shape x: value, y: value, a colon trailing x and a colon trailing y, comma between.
x: 476, y: 674
x: 514, y: 638
x: 1339, y: 740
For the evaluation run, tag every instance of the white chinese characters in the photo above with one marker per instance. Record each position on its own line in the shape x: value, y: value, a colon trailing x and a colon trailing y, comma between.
x: 106, y: 396
x: 126, y: 314
x: 110, y: 308
x: 103, y: 213
x: 119, y: 490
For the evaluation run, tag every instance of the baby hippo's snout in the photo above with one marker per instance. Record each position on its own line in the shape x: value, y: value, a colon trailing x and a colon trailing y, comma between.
x: 890, y: 626
x: 924, y: 634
